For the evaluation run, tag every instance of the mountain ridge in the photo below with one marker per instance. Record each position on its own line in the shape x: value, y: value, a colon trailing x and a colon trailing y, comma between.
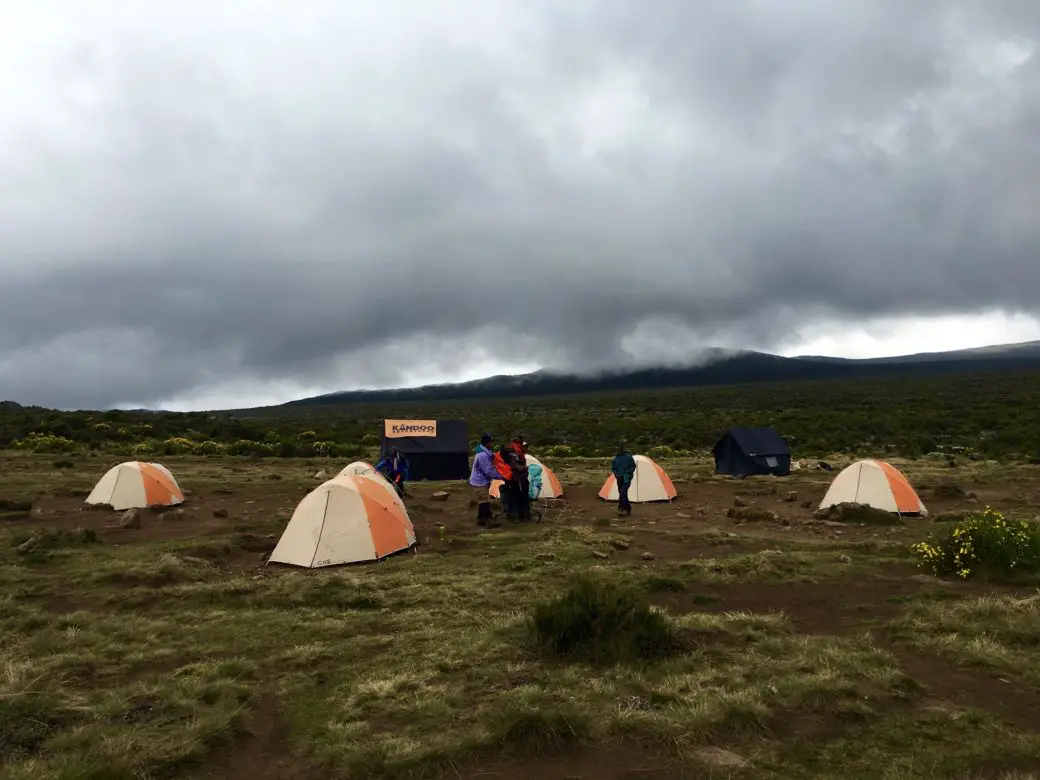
x: 722, y: 368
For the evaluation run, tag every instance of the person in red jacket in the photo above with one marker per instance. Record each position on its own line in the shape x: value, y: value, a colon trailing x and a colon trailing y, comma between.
x: 506, y: 492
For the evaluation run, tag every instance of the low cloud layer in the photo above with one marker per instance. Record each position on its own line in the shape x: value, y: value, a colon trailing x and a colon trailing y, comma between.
x: 319, y: 195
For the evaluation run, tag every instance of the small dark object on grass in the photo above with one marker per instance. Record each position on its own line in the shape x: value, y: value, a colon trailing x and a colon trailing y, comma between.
x: 63, y: 464
x: 665, y: 585
x: 950, y: 491
x: 13, y: 505
x: 43, y: 539
x: 602, y: 623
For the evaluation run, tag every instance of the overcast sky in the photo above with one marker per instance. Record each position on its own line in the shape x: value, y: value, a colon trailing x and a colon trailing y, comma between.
x: 215, y: 204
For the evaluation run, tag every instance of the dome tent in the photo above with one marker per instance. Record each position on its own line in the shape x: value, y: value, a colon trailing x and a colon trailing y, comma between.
x: 358, y: 468
x: 877, y: 484
x: 551, y: 487
x: 347, y: 519
x: 650, y: 483
x: 136, y: 485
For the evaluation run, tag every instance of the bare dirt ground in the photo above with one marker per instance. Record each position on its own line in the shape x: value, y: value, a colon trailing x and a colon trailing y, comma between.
x: 698, y: 525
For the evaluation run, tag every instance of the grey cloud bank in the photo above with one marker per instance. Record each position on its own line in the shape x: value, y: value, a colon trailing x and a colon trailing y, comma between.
x: 315, y: 196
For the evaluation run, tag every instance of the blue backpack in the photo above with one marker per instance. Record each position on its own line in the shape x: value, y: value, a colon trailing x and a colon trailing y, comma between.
x: 534, y: 479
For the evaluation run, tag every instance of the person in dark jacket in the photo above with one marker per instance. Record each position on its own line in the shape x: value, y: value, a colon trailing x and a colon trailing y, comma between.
x: 523, y: 485
x: 623, y: 467
x: 481, y: 477
x: 512, y: 465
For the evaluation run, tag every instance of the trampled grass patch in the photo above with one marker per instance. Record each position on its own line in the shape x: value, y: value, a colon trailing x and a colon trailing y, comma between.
x: 999, y: 633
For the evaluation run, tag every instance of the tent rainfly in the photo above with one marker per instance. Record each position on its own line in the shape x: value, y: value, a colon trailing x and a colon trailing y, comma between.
x: 650, y: 483
x: 743, y: 452
x: 359, y: 468
x: 345, y: 520
x: 436, y: 449
x: 134, y: 484
x: 877, y: 484
x: 551, y: 487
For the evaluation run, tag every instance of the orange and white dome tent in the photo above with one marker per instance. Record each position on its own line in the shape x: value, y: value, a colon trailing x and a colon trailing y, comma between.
x: 650, y: 483
x: 135, y: 484
x: 877, y: 484
x: 359, y: 468
x: 345, y: 520
x: 551, y: 486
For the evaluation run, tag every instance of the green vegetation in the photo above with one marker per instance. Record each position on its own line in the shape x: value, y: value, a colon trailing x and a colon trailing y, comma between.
x: 599, y: 622
x: 987, y: 543
x: 995, y: 415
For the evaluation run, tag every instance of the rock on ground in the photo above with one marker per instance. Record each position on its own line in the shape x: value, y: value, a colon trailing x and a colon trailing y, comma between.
x: 131, y: 519
x: 725, y: 759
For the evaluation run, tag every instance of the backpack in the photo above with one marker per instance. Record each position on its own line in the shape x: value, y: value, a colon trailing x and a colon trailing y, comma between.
x: 534, y: 479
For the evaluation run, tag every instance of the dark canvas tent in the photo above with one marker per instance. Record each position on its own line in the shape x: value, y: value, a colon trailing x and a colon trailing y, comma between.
x: 436, y: 449
x: 742, y: 452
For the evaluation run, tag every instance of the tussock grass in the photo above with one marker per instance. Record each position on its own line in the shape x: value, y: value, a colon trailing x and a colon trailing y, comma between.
x: 600, y: 621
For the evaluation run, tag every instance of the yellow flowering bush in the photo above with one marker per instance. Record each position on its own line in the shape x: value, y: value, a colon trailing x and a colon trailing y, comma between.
x: 988, y: 542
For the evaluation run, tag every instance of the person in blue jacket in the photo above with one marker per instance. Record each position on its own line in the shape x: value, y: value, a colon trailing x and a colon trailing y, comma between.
x: 394, y: 466
x: 623, y: 467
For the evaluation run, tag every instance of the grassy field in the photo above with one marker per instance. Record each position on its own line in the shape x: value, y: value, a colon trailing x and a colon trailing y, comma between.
x: 796, y: 647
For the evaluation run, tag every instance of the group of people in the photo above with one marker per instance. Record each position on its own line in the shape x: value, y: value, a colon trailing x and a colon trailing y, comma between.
x: 521, y: 481
x: 508, y: 465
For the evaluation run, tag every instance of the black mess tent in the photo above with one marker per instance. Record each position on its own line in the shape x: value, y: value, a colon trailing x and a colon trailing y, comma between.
x: 436, y: 449
x: 743, y: 452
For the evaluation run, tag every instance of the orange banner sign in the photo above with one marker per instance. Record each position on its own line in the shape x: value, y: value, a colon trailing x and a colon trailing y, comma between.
x: 399, y: 429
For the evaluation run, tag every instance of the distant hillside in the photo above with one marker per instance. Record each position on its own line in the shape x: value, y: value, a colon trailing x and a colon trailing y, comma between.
x: 722, y: 368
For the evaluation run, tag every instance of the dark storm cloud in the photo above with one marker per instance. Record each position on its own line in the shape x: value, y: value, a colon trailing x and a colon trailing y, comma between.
x: 321, y: 197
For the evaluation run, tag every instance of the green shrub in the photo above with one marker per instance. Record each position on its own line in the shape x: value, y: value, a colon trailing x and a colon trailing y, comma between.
x: 177, y: 446
x: 984, y: 543
x: 254, y: 448
x: 602, y: 623
x: 207, y: 448
x: 664, y: 451
x: 557, y: 451
x: 656, y: 584
x: 45, y: 442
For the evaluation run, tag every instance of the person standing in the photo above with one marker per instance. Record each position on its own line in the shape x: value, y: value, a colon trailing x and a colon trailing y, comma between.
x: 394, y: 466
x: 507, y: 491
x: 520, y: 476
x: 481, y: 477
x: 623, y: 467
